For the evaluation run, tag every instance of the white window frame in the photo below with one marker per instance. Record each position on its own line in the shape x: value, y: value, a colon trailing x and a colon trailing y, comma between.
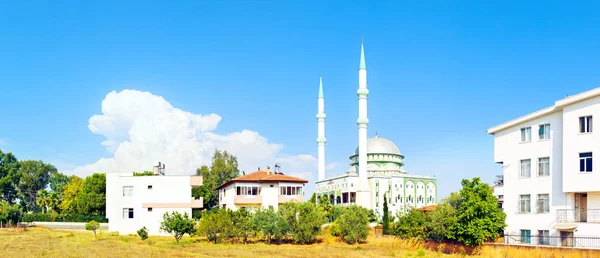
x: 585, y: 167
x: 544, y: 237
x: 127, y: 190
x: 543, y: 166
x: 126, y: 213
x: 544, y: 132
x: 586, y: 124
x: 543, y: 203
x: 526, y: 134
x: 524, y: 168
x: 524, y: 204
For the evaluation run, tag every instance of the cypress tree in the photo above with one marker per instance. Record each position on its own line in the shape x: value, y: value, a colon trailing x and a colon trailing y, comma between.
x: 386, y: 216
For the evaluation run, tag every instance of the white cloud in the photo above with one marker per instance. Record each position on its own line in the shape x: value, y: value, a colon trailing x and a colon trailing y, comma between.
x: 142, y: 129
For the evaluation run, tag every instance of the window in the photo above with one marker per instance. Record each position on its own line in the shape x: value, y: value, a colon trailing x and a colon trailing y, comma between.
x: 525, y: 203
x: 149, y: 209
x: 543, y: 203
x: 248, y: 190
x: 525, y: 236
x: 525, y: 168
x: 585, y: 162
x: 585, y: 124
x: 290, y: 190
x: 149, y: 187
x: 526, y: 134
x: 127, y: 190
x: 544, y: 132
x: 128, y: 213
x: 543, y: 166
x: 543, y: 237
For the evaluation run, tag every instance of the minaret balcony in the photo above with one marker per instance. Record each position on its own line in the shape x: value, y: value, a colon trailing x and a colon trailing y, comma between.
x: 362, y: 121
x: 321, y: 117
x: 362, y: 93
x: 321, y: 140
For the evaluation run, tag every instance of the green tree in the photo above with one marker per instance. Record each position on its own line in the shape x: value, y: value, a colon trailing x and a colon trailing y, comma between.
x: 478, y: 216
x: 386, y: 217
x: 242, y: 224
x: 325, y: 204
x: 58, y: 181
x: 304, y: 219
x: 266, y: 222
x: 93, y: 226
x: 92, y: 198
x: 9, y: 177
x: 35, y: 176
x: 440, y: 221
x: 177, y: 224
x: 224, y: 168
x: 313, y: 198
x: 70, y: 192
x: 411, y: 225
x: 10, y: 213
x: 215, y: 224
x: 354, y: 224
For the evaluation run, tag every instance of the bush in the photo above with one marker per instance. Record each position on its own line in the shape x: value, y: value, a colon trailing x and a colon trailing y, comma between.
x: 177, y: 224
x: 411, y: 225
x: 268, y: 223
x: 49, y: 217
x: 93, y: 226
x: 335, y: 230
x: 354, y: 224
x: 143, y: 233
x: 242, y: 224
x: 304, y: 220
x: 10, y: 214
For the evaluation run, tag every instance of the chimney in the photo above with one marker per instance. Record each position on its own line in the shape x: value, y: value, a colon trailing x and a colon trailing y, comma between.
x: 268, y: 170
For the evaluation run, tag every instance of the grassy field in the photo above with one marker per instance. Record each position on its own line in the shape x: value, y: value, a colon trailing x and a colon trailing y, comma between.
x: 44, y: 242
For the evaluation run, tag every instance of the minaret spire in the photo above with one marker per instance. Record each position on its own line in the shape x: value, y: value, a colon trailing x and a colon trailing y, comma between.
x: 363, y: 193
x: 321, y: 132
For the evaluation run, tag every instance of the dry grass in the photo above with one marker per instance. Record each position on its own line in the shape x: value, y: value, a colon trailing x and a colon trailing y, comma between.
x: 44, y: 242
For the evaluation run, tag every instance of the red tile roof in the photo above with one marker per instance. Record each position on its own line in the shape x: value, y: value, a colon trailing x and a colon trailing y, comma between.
x: 427, y: 208
x: 264, y: 176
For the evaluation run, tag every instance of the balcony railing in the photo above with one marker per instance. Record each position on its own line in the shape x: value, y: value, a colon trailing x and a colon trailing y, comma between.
x: 578, y: 215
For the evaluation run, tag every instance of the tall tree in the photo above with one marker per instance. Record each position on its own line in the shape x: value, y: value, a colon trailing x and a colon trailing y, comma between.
x: 43, y: 200
x: 35, y: 176
x: 9, y: 177
x: 70, y: 193
x: 58, y: 182
x: 478, y: 216
x: 386, y: 217
x: 92, y: 198
x: 224, y: 168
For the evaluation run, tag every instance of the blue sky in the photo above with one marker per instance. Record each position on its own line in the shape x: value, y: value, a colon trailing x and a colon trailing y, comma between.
x: 440, y: 73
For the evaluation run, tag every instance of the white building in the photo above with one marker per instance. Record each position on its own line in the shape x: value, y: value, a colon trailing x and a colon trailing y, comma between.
x: 376, y: 168
x: 133, y: 202
x: 550, y: 184
x: 261, y: 189
x: 498, y: 189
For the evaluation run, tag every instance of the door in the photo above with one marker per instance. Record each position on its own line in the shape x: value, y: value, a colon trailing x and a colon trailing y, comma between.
x: 566, y: 238
x: 581, y: 207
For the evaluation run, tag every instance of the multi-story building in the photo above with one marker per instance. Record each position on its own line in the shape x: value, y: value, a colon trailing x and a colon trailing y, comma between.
x: 550, y: 184
x: 261, y: 189
x: 133, y: 202
x: 498, y: 189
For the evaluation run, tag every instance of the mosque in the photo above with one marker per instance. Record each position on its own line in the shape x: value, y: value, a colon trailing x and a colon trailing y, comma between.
x: 376, y: 166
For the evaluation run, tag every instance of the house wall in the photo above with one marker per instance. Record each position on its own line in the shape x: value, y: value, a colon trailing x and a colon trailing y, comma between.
x: 269, y: 196
x: 168, y: 194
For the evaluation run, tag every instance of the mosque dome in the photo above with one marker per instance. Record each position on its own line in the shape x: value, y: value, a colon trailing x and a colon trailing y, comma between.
x: 378, y: 145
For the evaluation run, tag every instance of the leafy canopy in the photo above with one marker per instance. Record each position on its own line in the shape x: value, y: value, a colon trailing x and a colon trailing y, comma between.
x: 177, y: 224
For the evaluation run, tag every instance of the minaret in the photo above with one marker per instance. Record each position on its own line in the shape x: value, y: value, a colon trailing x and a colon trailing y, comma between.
x: 363, y: 196
x: 321, y: 131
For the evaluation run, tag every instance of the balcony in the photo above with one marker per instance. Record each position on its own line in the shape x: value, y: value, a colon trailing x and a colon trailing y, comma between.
x: 197, y: 202
x: 247, y: 199
x: 195, y: 181
x: 289, y: 198
x: 578, y: 215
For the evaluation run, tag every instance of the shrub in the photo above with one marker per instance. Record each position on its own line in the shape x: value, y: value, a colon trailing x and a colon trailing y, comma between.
x: 411, y: 225
x: 242, y: 224
x: 177, y: 224
x: 93, y: 226
x: 354, y: 224
x: 143, y: 233
x: 10, y: 214
x: 335, y: 230
x: 267, y: 222
x: 304, y: 220
x: 49, y: 217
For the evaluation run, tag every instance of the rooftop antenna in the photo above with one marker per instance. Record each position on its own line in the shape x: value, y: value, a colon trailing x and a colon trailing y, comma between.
x: 277, y: 168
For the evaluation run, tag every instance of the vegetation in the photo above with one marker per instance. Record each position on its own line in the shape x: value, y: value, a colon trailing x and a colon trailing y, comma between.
x: 215, y: 224
x: 470, y: 217
x: 93, y: 226
x: 10, y: 214
x: 145, y: 173
x: 62, y: 217
x: 386, y: 217
x: 177, y: 224
x: 304, y: 220
x: 354, y: 224
x: 143, y: 233
x: 224, y: 168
